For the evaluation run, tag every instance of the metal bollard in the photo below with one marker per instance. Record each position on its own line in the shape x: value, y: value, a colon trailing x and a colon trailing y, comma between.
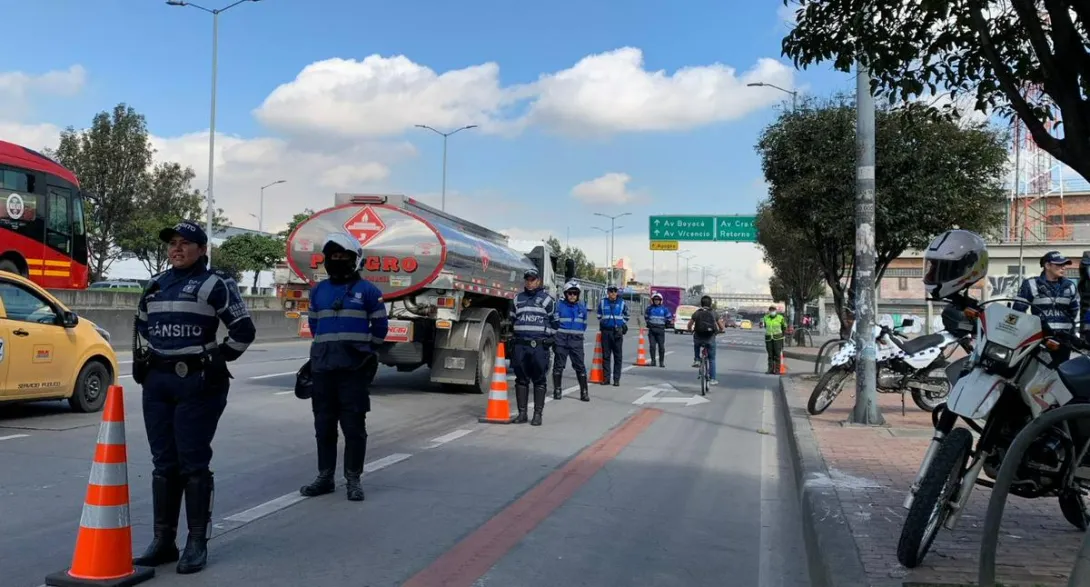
x: 1080, y: 574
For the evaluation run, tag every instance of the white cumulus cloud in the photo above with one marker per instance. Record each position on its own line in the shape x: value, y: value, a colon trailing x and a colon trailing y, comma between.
x: 611, y: 188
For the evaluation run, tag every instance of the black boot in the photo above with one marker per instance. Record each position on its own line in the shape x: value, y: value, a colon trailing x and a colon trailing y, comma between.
x: 539, y: 404
x: 557, y: 380
x: 354, y: 450
x: 522, y: 398
x: 166, y: 499
x: 199, y: 490
x: 662, y: 358
x: 352, y: 487
x: 321, y: 485
x: 584, y: 393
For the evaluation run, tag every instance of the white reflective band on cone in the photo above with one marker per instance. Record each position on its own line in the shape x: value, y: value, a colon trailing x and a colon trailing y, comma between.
x: 109, y: 474
x: 103, y: 517
x: 111, y: 433
x: 497, y: 395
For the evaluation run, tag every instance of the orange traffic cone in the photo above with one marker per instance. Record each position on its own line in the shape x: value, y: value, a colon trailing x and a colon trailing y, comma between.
x: 641, y: 352
x: 103, y: 553
x: 597, y: 372
x: 783, y: 365
x: 499, y: 408
x: 304, y: 328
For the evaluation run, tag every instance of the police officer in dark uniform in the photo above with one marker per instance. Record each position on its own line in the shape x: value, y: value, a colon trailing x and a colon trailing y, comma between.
x: 533, y: 316
x: 184, y: 374
x: 613, y: 323
x: 571, y: 317
x: 348, y: 320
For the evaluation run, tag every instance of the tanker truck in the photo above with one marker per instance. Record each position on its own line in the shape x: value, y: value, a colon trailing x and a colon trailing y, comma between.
x: 448, y: 283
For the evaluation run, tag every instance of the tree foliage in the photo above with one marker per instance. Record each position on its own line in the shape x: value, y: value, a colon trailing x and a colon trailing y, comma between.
x: 110, y: 159
x: 932, y: 174
x: 990, y: 51
x: 228, y: 260
x: 584, y: 267
x: 252, y: 252
x: 168, y: 199
x: 797, y: 275
x: 296, y: 220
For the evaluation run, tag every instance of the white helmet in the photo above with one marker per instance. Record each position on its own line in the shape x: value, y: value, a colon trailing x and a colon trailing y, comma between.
x: 656, y: 295
x: 953, y: 262
x: 572, y: 285
x: 345, y: 241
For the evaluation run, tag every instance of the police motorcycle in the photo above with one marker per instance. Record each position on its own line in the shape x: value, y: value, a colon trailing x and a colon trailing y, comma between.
x: 916, y: 365
x: 1009, y: 379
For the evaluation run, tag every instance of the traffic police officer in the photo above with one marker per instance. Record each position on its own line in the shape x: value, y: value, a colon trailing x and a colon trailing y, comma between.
x: 1053, y: 297
x: 533, y: 316
x: 613, y: 323
x: 347, y: 318
x: 571, y: 317
x: 657, y: 316
x: 184, y: 374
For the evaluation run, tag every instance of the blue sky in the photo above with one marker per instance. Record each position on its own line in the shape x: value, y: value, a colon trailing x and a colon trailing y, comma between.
x: 559, y: 91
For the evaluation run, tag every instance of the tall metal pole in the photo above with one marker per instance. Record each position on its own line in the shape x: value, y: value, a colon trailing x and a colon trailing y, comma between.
x: 212, y: 127
x: 261, y: 210
x: 443, y: 204
x: 866, y: 396
x: 612, y: 248
x: 652, y: 268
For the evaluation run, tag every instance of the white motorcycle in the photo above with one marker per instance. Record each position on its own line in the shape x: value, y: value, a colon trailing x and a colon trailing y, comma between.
x: 916, y: 365
x: 1009, y: 379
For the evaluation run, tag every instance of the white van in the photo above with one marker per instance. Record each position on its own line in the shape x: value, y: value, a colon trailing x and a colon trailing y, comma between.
x: 682, y: 316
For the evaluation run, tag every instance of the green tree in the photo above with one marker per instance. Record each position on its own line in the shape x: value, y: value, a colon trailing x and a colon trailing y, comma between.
x: 933, y: 173
x: 797, y: 276
x: 168, y: 199
x: 584, y: 267
x: 990, y: 51
x: 296, y: 220
x: 111, y: 160
x: 228, y: 261
x: 253, y: 252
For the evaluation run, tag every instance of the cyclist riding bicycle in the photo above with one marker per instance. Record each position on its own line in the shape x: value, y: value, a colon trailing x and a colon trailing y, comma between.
x: 704, y: 325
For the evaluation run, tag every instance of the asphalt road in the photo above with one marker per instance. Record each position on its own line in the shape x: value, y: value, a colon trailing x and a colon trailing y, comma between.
x: 643, y: 486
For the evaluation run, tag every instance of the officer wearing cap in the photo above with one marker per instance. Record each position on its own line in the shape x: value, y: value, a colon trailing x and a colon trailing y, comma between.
x: 613, y: 323
x: 533, y: 319
x: 348, y: 319
x: 571, y: 318
x: 1053, y: 297
x: 183, y: 370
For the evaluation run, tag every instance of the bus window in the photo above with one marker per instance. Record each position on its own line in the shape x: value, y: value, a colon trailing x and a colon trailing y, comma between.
x: 58, y: 230
x: 77, y: 216
x: 16, y: 181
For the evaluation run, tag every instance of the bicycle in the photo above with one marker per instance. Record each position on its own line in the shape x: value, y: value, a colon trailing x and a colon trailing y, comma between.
x: 704, y: 369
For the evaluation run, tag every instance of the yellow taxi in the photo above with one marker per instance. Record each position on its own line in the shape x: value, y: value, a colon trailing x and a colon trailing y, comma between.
x: 745, y: 324
x: 48, y: 352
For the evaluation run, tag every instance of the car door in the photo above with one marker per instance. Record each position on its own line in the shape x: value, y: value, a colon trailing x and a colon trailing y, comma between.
x: 39, y: 352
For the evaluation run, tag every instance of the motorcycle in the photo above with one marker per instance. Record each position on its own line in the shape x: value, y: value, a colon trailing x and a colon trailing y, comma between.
x: 916, y: 365
x: 1010, y: 378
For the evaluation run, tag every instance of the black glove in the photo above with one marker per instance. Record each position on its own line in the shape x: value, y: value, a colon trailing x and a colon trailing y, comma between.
x: 215, y: 366
x: 624, y: 329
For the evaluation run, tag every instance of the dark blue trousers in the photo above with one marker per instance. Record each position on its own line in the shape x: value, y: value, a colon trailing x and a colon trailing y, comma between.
x: 180, y: 416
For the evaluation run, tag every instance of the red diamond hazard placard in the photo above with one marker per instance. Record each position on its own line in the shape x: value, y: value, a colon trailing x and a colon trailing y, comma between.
x: 365, y: 225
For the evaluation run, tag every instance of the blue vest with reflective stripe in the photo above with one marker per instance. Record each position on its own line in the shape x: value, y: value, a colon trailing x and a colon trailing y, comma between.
x: 345, y: 320
x: 612, y: 314
x: 571, y: 318
x: 533, y: 315
x: 180, y: 312
x: 657, y: 316
x: 1057, y: 303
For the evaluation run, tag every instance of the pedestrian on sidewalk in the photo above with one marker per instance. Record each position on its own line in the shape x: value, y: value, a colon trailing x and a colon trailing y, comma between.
x: 1054, y: 298
x: 657, y: 316
x: 571, y: 317
x: 533, y: 316
x: 774, y: 324
x: 183, y: 371
x: 613, y: 324
x: 348, y: 320
x: 704, y: 325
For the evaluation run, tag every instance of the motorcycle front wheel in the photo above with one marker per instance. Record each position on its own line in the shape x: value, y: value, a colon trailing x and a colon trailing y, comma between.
x: 931, y: 504
x: 828, y: 387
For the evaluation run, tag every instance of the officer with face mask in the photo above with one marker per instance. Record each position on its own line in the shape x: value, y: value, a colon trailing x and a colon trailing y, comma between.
x: 571, y: 316
x: 347, y: 318
x: 533, y: 319
x: 184, y: 374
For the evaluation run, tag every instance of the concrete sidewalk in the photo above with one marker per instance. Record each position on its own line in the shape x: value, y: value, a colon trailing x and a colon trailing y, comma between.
x: 855, y: 480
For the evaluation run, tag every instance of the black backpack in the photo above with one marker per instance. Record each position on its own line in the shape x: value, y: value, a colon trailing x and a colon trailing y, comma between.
x: 704, y: 323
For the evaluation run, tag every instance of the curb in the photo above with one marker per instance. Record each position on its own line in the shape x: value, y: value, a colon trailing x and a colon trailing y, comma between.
x: 799, y: 356
x: 832, y: 554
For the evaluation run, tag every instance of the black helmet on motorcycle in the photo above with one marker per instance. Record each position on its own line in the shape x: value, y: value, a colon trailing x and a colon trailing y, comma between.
x: 953, y: 262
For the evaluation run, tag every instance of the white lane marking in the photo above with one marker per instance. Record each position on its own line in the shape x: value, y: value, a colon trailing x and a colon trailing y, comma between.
x: 630, y: 367
x: 124, y: 362
x: 13, y: 436
x: 290, y: 499
x: 440, y: 441
x: 124, y: 376
x: 548, y: 398
x: 769, y: 473
x: 284, y: 392
x: 271, y: 375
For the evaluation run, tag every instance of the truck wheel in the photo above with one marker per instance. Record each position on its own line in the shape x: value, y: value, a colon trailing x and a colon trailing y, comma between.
x: 486, y: 361
x: 91, y: 385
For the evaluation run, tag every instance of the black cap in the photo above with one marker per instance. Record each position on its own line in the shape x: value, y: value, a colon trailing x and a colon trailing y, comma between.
x: 187, y: 230
x: 1054, y: 258
x: 530, y: 273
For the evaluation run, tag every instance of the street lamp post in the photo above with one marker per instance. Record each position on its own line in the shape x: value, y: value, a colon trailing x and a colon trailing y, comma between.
x: 794, y: 94
x: 677, y: 265
x: 609, y: 268
x: 212, y: 116
x: 445, y: 135
x: 612, y: 234
x: 261, y: 210
x: 687, y: 258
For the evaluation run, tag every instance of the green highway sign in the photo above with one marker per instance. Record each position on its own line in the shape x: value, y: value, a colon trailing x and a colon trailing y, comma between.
x: 740, y: 229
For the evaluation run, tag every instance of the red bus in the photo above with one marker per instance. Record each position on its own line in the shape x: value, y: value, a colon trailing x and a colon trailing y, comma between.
x: 43, y: 234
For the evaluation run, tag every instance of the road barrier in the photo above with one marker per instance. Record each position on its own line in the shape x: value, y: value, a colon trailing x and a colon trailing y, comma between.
x: 1080, y: 574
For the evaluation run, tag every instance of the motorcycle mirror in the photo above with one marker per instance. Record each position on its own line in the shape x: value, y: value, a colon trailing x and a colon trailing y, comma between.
x: 907, y: 322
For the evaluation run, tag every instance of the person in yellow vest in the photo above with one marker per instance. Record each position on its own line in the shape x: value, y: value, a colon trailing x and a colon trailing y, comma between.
x: 774, y: 324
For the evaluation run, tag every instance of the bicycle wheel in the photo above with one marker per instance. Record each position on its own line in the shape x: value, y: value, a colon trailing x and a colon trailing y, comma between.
x: 704, y: 368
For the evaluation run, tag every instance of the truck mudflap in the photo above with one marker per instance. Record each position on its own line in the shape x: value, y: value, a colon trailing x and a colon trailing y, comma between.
x: 466, y: 352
